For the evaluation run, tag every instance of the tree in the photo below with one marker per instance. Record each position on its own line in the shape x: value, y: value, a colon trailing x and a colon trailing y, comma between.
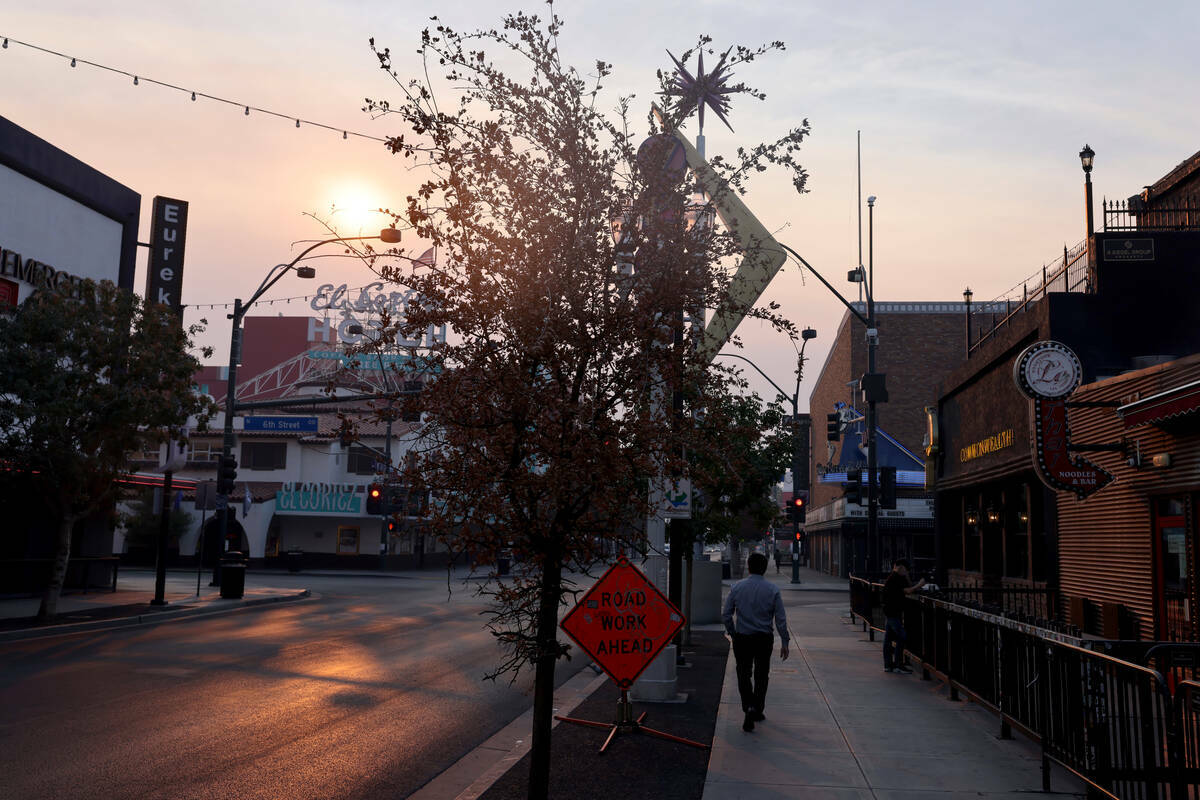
x: 142, y: 522
x: 549, y: 417
x: 89, y: 377
x: 748, y: 449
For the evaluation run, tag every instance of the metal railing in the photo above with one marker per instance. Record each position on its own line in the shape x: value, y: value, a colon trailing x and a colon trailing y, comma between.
x: 1067, y: 273
x: 1136, y: 215
x: 1111, y: 722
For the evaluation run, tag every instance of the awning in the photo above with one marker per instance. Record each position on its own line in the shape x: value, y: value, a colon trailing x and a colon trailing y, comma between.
x: 1163, y: 406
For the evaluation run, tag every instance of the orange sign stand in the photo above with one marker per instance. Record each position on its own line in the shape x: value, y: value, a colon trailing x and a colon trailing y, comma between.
x: 623, y: 622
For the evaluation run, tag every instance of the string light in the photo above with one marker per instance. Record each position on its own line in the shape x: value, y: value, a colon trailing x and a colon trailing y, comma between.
x: 136, y: 82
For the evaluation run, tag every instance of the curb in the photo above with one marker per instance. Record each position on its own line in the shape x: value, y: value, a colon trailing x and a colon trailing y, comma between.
x: 147, y: 619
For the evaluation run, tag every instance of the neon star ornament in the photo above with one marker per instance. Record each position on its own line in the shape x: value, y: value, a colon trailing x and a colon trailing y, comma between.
x: 703, y: 89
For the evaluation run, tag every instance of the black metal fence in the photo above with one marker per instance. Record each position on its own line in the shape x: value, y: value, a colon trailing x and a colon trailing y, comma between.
x: 1135, y: 214
x: 1112, y: 722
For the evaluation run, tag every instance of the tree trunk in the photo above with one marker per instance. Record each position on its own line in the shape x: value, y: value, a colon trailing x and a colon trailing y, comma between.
x: 543, y: 682
x: 58, y: 570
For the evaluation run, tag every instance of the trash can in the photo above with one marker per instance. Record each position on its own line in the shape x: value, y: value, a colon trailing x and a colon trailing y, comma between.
x: 725, y: 571
x: 233, y: 576
x: 503, y: 564
x: 294, y: 560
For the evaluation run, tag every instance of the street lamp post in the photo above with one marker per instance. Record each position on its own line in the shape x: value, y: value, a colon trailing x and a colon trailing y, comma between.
x: 1086, y: 156
x: 388, y: 235
x: 797, y: 454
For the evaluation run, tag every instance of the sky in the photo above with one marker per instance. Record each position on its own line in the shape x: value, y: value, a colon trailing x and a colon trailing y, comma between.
x: 971, y: 119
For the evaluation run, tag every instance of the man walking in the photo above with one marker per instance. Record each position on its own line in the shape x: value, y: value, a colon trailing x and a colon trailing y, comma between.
x: 756, y: 602
x: 894, y: 638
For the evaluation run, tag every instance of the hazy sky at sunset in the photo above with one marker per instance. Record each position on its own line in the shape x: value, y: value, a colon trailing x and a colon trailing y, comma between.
x: 972, y: 116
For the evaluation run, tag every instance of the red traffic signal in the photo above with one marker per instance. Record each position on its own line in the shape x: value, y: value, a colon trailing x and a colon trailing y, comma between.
x: 375, y: 499
x: 798, y: 535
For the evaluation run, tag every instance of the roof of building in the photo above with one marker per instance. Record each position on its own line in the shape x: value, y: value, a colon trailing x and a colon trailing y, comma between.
x: 1182, y: 171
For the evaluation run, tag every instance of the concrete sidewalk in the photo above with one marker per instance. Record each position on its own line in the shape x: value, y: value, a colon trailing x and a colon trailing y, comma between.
x: 839, y: 727
x: 101, y: 609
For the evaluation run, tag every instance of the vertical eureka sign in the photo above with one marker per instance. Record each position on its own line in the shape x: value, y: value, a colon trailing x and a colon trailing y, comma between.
x: 168, y: 232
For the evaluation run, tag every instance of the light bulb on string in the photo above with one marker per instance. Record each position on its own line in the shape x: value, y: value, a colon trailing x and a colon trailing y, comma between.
x: 135, y: 80
x: 344, y: 136
x: 72, y: 61
x: 193, y: 97
x: 297, y: 123
x: 5, y: 42
x: 247, y: 111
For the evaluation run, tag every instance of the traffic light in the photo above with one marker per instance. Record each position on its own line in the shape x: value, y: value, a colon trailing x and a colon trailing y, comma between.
x: 833, y: 426
x: 853, y: 487
x: 887, y: 487
x: 375, y: 499
x: 226, y: 475
x: 391, y: 526
x: 799, y: 506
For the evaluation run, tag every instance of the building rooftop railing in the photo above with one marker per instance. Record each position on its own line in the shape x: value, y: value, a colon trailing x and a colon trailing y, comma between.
x: 1066, y: 273
x: 1135, y: 214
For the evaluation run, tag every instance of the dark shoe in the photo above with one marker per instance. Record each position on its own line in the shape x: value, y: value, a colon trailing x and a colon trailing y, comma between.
x: 759, y: 716
x: 888, y: 669
x: 905, y: 669
x: 748, y: 725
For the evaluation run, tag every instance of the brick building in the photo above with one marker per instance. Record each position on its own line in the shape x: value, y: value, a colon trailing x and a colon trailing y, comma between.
x: 1118, y: 560
x: 919, y: 343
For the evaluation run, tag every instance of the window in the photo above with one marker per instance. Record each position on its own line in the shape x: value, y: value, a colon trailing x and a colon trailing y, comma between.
x: 263, y: 455
x: 361, y: 461
x: 347, y: 541
x: 204, y: 451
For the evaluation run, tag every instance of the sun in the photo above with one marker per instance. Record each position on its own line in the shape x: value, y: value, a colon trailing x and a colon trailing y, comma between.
x: 355, y: 209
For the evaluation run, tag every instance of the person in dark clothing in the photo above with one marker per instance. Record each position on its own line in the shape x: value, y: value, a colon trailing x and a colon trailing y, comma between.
x: 758, y: 604
x: 894, y: 589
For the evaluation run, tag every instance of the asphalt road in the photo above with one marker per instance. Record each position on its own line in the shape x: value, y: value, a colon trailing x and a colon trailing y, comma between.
x: 367, y: 691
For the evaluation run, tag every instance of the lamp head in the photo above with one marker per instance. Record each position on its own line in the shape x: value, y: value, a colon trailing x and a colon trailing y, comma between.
x: 306, y: 272
x: 1086, y: 156
x: 967, y: 295
x: 354, y: 329
x: 808, y: 333
x: 871, y: 200
x: 390, y: 235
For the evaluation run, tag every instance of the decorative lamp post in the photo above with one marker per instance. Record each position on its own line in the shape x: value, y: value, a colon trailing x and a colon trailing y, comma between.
x: 227, y: 468
x: 1086, y: 156
x: 967, y: 317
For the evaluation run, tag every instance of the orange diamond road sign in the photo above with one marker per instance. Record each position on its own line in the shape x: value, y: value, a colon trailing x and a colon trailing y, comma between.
x: 623, y: 622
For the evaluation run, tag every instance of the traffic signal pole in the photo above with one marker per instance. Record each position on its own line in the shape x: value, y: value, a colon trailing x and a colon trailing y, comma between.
x: 235, y: 355
x: 874, y: 554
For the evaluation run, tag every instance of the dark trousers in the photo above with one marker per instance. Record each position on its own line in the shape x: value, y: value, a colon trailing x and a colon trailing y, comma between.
x: 752, y: 655
x: 894, y: 639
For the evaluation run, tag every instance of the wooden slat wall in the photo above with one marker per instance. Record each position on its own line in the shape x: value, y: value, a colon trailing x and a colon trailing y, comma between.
x: 1106, y: 541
